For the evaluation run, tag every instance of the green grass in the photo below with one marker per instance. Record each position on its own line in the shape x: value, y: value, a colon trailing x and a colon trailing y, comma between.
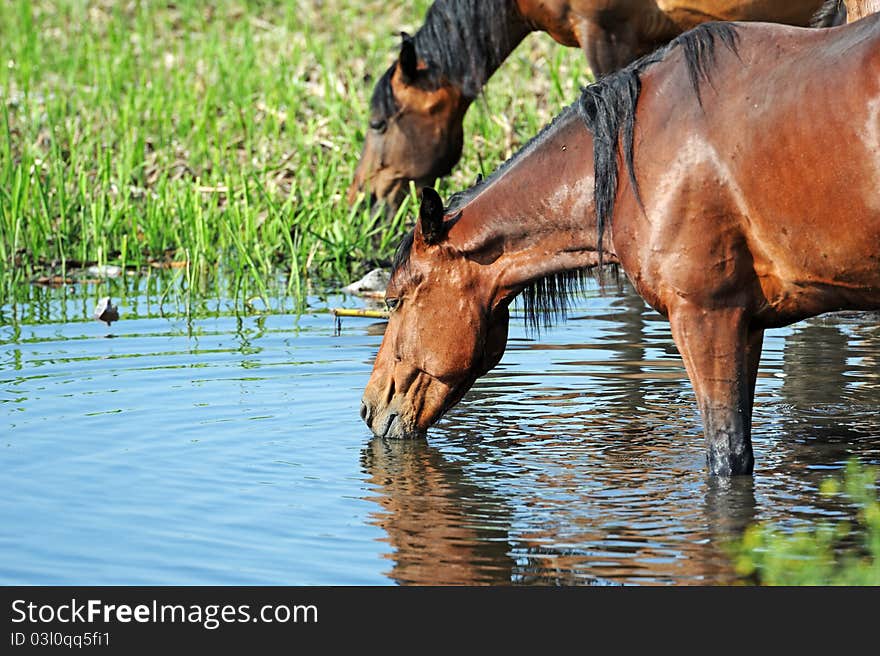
x: 828, y: 553
x: 145, y: 132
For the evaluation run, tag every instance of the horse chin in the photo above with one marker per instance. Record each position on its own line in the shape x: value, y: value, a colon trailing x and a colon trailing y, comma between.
x: 392, y: 198
x: 407, y: 418
x: 399, y: 431
x: 394, y: 425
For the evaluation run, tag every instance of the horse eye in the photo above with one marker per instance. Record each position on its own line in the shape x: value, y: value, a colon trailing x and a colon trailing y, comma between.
x: 391, y: 303
x: 379, y: 125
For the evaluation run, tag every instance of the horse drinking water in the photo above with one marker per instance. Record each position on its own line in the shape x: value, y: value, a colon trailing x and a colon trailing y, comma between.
x: 748, y: 199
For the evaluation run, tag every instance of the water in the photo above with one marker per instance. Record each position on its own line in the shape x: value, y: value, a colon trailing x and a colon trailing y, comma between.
x: 229, y: 450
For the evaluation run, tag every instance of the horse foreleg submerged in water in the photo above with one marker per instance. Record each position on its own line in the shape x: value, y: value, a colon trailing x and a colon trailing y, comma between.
x: 749, y: 200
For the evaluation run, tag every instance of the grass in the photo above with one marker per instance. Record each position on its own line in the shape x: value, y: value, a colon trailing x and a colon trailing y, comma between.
x: 839, y: 553
x: 222, y: 138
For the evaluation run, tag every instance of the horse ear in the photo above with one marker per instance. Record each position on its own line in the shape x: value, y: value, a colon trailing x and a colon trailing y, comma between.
x: 431, y: 216
x: 409, y: 61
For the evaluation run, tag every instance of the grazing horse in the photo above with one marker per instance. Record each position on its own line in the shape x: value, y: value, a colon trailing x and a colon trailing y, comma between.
x: 418, y: 105
x: 744, y: 195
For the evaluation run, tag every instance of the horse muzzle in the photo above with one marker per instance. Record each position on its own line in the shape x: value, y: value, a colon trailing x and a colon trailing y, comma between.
x: 404, y: 403
x: 380, y: 193
x: 389, y: 421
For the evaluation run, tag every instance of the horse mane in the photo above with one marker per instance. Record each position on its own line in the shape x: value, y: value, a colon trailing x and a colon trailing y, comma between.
x: 608, y: 108
x: 401, y: 256
x: 831, y: 14
x: 462, y: 42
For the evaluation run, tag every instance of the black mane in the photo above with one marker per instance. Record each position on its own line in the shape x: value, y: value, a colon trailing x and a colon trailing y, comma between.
x: 401, y: 255
x: 461, y: 41
x: 830, y: 14
x: 608, y: 108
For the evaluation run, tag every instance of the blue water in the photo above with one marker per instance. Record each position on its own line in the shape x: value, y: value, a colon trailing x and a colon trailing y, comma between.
x: 228, y: 450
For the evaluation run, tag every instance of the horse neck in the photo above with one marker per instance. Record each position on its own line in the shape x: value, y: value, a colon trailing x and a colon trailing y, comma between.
x: 856, y: 9
x: 535, y: 217
x: 466, y: 41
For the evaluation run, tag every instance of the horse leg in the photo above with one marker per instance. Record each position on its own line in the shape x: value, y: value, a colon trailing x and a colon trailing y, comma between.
x: 608, y: 48
x: 721, y: 355
x: 753, y: 355
x: 612, y: 38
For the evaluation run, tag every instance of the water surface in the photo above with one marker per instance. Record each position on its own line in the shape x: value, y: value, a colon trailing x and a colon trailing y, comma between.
x: 227, y: 449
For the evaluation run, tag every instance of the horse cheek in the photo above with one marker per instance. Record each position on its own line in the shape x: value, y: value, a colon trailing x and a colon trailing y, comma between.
x: 496, y: 340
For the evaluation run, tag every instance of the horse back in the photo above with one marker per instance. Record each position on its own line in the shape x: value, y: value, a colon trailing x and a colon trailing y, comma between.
x: 773, y: 171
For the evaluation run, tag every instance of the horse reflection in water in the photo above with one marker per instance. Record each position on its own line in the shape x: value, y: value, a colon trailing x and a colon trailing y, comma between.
x: 443, y: 528
x: 730, y: 218
x: 827, y: 409
x: 449, y: 526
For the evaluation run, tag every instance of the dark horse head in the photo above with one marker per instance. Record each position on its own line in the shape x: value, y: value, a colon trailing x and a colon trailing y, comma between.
x: 418, y: 105
x: 415, y: 130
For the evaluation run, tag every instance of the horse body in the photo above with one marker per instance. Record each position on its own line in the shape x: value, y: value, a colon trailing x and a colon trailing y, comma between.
x: 419, y: 104
x: 756, y: 227
x: 752, y: 202
x: 779, y: 201
x: 857, y: 9
x: 613, y: 33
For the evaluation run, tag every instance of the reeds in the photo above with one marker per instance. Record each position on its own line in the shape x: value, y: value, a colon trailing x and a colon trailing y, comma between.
x: 218, y: 139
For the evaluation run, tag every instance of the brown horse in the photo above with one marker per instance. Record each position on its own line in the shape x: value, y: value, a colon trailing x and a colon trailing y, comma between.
x: 750, y: 200
x: 857, y: 9
x: 418, y: 105
x: 837, y: 12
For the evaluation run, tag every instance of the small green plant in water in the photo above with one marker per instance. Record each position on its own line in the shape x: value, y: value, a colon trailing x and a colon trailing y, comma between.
x: 841, y: 553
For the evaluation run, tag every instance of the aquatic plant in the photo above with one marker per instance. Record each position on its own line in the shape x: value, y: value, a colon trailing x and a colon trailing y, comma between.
x: 827, y: 553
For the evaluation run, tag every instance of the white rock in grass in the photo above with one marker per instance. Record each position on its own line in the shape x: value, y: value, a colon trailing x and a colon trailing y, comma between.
x: 375, y: 281
x: 105, y: 271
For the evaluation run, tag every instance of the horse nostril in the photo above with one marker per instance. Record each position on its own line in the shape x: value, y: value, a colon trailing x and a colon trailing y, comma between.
x: 365, y: 411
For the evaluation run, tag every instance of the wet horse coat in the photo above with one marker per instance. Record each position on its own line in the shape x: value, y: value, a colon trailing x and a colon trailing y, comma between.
x: 738, y: 191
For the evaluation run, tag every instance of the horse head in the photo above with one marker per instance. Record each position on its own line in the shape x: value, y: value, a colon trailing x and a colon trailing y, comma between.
x: 448, y: 327
x: 415, y: 130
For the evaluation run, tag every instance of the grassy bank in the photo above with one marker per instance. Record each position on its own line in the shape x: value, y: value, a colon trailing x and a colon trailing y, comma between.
x: 224, y: 137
